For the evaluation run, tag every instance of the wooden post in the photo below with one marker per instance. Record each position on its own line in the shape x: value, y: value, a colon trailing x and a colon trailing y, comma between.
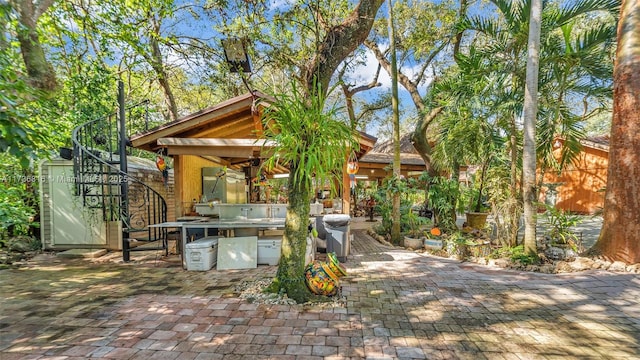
x: 178, y: 173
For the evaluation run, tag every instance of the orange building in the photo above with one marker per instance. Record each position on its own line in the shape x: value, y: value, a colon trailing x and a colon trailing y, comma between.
x: 579, y: 188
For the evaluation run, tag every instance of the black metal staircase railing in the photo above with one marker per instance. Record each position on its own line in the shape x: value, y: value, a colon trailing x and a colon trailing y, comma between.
x: 103, y: 185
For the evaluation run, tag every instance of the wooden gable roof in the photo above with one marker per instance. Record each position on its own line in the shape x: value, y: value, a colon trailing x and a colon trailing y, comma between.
x: 224, y: 125
x: 236, y: 118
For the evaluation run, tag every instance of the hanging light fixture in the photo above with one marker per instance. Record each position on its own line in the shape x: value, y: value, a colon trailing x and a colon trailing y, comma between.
x: 236, y: 55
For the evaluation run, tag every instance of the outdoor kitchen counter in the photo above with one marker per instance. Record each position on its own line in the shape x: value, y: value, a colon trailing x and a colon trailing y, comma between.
x: 206, y: 224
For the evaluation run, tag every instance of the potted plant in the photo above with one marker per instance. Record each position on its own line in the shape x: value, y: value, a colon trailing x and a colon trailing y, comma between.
x: 477, y: 213
x: 458, y: 244
x: 414, y: 235
x: 433, y: 240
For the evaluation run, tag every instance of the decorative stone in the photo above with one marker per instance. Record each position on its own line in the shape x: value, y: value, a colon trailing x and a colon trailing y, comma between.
x: 618, y: 266
x: 635, y: 268
x: 547, y: 268
x: 605, y: 264
x: 563, y: 266
x: 501, y: 263
x: 569, y: 254
x: 555, y: 253
x: 581, y: 264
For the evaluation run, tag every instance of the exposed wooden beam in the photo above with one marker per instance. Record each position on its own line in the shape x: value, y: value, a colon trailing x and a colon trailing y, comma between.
x: 216, y: 159
x: 208, y: 151
x: 230, y: 148
x: 215, y: 142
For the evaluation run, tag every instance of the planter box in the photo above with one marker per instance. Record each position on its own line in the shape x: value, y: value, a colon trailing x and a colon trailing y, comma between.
x: 480, y: 250
x: 433, y: 244
x: 414, y: 243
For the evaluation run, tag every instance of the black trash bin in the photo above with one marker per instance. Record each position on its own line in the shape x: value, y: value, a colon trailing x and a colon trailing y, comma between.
x: 338, y: 234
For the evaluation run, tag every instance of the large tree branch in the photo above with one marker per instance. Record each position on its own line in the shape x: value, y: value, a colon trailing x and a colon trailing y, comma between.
x: 419, y: 137
x: 348, y: 93
x: 157, y: 64
x: 40, y: 7
x: 40, y: 71
x: 340, y: 41
x: 409, y: 85
x: 428, y: 61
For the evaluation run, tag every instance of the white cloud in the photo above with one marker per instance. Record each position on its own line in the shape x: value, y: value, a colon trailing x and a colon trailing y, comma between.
x: 364, y: 74
x: 279, y: 4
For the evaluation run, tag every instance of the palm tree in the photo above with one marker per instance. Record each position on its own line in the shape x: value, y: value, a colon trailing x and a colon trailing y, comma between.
x: 501, y: 44
x: 529, y: 144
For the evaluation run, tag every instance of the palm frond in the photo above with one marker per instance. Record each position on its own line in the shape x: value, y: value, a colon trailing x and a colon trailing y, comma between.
x: 481, y: 24
x: 577, y: 8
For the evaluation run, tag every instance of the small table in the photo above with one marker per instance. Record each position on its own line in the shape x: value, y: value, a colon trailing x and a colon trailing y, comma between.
x: 178, y: 225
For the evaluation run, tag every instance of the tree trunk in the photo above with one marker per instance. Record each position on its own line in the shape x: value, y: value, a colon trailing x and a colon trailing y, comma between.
x: 290, y: 276
x: 158, y: 65
x: 419, y: 136
x: 338, y: 43
x: 396, y: 237
x: 41, y: 73
x: 620, y: 235
x: 514, y: 212
x: 529, y: 146
x: 420, y: 140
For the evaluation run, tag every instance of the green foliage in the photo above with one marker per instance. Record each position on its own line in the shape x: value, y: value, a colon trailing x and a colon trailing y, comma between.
x: 515, y: 254
x: 442, y: 197
x: 409, y: 192
x: 22, y: 129
x: 458, y: 244
x: 308, y: 139
x: 88, y: 94
x: 518, y: 254
x: 559, y: 224
x: 411, y: 223
x: 15, y: 211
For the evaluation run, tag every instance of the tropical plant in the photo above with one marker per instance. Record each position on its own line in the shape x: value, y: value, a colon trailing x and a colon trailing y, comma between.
x: 573, y: 65
x: 408, y: 191
x: 411, y: 224
x: 16, y: 208
x: 314, y: 146
x: 442, y: 195
x: 559, y: 224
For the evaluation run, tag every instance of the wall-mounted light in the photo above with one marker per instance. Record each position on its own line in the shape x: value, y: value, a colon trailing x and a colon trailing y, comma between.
x: 362, y: 177
x: 236, y: 55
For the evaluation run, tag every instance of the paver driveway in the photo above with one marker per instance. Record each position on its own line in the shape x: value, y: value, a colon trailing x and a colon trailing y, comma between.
x: 399, y: 305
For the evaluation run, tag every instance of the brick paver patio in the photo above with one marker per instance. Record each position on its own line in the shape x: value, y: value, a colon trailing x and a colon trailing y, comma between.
x: 400, y: 304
